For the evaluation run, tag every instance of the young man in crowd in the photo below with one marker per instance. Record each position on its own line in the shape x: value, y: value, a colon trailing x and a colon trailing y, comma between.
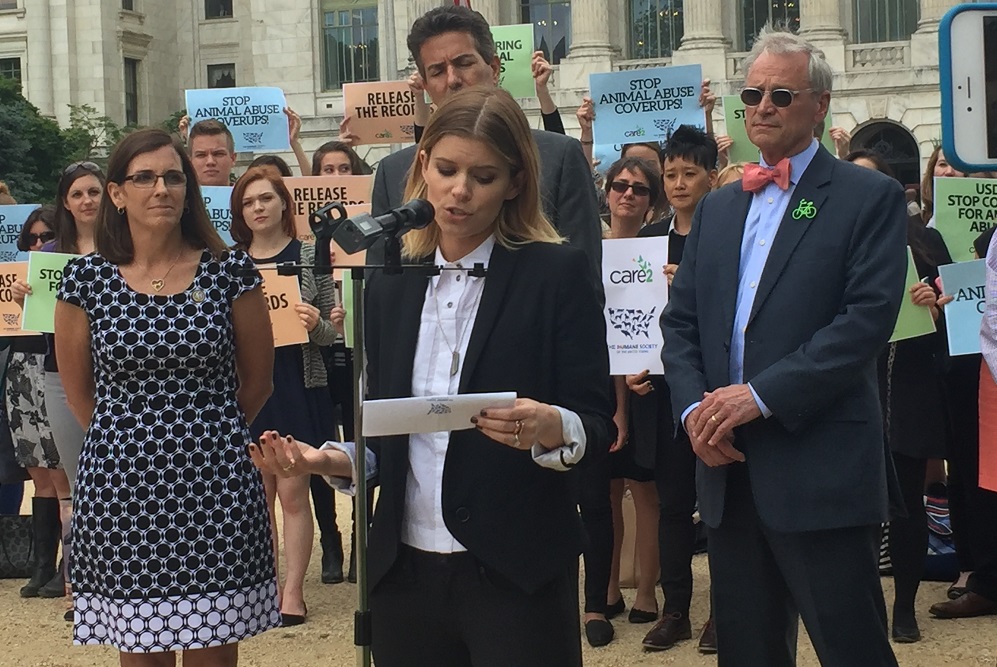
x: 212, y: 151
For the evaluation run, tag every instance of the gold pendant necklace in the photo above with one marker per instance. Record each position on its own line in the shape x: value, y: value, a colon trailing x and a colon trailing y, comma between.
x: 159, y: 283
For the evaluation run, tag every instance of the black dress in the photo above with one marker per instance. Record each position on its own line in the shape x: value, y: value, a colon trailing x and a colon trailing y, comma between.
x: 293, y: 408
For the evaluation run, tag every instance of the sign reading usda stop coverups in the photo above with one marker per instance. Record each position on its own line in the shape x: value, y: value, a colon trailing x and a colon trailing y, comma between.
x: 254, y: 116
x: 645, y: 105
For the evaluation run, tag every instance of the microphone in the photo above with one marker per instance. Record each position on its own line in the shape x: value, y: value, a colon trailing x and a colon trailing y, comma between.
x: 361, y: 231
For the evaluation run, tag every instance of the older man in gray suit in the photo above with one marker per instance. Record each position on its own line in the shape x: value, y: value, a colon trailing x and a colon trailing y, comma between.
x: 453, y: 48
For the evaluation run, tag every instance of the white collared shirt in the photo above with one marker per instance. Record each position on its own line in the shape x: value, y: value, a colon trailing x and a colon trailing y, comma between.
x: 448, y: 315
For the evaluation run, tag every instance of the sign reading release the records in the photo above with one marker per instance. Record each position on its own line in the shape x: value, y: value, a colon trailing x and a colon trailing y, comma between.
x: 254, y: 116
x: 636, y: 292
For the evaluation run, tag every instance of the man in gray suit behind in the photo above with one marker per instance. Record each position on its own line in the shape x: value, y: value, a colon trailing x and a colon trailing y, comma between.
x: 453, y: 49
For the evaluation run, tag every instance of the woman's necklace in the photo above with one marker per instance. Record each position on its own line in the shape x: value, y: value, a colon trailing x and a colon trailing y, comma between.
x: 159, y: 283
x: 455, y: 349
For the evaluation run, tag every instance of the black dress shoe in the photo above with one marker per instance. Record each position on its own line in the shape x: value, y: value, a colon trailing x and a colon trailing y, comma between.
x: 967, y: 606
x: 332, y: 560
x: 708, y: 638
x: 671, y: 629
x: 68, y: 616
x: 641, y: 616
x: 615, y: 609
x: 599, y: 632
x: 290, y: 620
x: 906, y: 633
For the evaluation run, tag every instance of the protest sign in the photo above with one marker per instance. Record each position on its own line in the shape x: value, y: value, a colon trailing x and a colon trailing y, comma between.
x: 964, y: 281
x: 636, y: 293
x: 742, y: 150
x: 12, y: 218
x: 913, y: 321
x: 964, y: 209
x: 255, y: 116
x: 218, y: 201
x: 606, y: 154
x: 310, y: 193
x: 283, y: 293
x: 44, y: 273
x: 514, y: 47
x: 380, y: 112
x: 10, y: 312
x: 645, y: 105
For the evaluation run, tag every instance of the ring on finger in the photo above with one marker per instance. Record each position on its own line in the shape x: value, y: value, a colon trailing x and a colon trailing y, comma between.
x: 288, y: 466
x: 519, y: 426
x: 713, y: 419
x: 515, y: 440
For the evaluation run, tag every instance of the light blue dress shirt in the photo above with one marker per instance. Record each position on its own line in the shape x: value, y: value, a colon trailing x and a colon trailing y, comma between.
x: 768, y: 206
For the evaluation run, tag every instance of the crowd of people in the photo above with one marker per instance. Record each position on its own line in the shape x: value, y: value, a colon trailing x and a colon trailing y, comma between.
x: 159, y: 425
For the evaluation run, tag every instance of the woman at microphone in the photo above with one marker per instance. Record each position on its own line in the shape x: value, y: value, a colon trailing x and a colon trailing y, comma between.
x: 475, y: 539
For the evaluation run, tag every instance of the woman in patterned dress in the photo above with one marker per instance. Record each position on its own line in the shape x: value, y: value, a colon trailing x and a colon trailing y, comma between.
x: 164, y: 363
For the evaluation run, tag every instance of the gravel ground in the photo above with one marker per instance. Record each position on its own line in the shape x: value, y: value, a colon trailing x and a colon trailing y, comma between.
x: 33, y: 634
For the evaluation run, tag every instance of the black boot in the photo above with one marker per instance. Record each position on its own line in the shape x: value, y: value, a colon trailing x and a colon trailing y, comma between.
x: 46, y: 527
x: 56, y: 586
x: 352, y: 576
x: 332, y: 558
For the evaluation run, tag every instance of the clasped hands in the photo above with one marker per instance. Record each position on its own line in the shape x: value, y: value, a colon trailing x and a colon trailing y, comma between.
x: 711, y: 424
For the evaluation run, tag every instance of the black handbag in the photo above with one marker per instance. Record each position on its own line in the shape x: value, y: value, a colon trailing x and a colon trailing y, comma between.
x: 17, y: 547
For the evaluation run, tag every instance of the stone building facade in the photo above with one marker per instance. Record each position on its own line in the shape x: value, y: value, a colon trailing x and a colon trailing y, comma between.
x: 132, y: 59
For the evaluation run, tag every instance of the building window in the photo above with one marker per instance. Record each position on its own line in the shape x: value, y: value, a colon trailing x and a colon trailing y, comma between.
x: 780, y: 14
x: 128, y: 5
x: 8, y: 4
x: 131, y: 91
x: 350, y: 42
x: 551, y: 21
x: 884, y: 20
x: 221, y: 76
x: 10, y: 68
x: 217, y: 9
x: 656, y: 28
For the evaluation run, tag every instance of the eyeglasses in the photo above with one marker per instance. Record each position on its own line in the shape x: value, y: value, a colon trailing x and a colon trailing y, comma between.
x: 148, y: 179
x: 83, y: 164
x: 44, y: 237
x: 781, y: 97
x: 639, y: 190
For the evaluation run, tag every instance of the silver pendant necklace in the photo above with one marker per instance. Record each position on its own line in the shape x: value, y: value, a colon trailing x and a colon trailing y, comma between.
x: 455, y: 350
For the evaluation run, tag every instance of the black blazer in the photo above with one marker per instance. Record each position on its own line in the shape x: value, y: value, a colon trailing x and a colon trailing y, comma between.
x: 539, y: 332
x: 566, y: 190
x: 825, y: 307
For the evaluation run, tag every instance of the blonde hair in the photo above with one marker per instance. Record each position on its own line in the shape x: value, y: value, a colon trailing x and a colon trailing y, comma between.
x: 734, y: 171
x: 491, y: 116
x: 5, y: 197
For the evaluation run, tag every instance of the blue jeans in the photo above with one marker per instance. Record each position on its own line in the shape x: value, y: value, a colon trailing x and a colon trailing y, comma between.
x: 11, y: 496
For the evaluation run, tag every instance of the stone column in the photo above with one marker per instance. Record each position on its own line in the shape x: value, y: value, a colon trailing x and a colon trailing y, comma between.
x: 932, y: 12
x: 821, y: 24
x: 924, y: 42
x: 37, y: 68
x: 590, y: 50
x: 703, y: 39
x: 489, y: 9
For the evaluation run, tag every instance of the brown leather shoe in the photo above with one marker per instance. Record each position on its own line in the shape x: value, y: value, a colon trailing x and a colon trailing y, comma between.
x: 708, y: 638
x: 667, y: 632
x: 967, y: 605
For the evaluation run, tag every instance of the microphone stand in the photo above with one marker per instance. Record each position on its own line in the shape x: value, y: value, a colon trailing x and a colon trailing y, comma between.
x: 392, y: 266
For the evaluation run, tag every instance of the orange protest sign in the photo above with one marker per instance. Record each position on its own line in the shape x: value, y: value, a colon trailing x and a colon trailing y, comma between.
x: 10, y: 312
x: 283, y: 293
x: 381, y: 112
x: 310, y: 193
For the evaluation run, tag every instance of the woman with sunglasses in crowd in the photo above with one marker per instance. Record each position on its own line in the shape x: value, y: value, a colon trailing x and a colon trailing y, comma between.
x: 263, y: 226
x: 79, y: 195
x: 166, y: 354
x: 34, y: 447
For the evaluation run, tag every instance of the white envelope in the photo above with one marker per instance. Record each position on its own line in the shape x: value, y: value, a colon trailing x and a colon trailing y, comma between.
x: 428, y: 414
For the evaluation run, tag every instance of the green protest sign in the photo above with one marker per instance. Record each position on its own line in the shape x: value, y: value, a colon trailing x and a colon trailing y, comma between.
x: 514, y: 46
x: 964, y: 209
x: 913, y: 321
x: 44, y: 274
x: 348, y: 305
x: 743, y: 150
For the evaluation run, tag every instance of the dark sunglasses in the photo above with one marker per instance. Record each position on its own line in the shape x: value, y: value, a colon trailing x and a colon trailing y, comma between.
x: 781, y: 97
x: 44, y: 237
x: 639, y: 190
x: 83, y: 164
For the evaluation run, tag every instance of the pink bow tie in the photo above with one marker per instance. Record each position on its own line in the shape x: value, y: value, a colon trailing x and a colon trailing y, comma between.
x: 756, y: 177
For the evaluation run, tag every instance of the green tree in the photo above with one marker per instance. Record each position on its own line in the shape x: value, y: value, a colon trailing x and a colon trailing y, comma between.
x: 172, y: 124
x: 32, y: 148
x: 91, y: 136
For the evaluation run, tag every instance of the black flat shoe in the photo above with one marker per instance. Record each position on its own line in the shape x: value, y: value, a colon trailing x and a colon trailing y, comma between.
x: 290, y: 620
x: 906, y: 634
x: 599, y: 632
x: 641, y: 616
x: 68, y: 616
x: 615, y: 609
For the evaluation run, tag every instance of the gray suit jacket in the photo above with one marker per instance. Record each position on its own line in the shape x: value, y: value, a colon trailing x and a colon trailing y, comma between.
x: 825, y: 306
x: 565, y: 187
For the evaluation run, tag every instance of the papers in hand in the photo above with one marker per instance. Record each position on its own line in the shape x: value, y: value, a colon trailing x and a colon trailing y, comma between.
x: 428, y: 414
